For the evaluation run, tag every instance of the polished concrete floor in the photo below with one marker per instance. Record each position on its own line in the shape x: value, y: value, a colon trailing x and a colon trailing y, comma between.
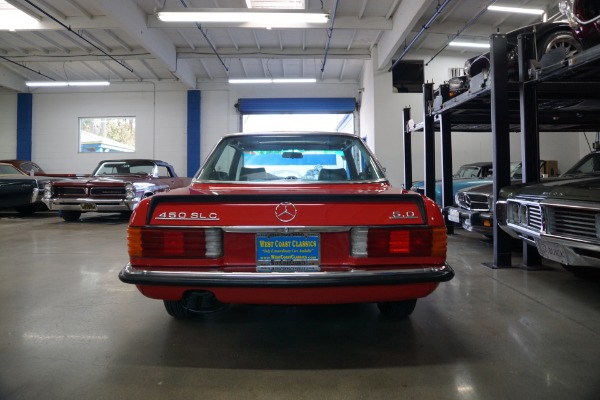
x: 69, y: 329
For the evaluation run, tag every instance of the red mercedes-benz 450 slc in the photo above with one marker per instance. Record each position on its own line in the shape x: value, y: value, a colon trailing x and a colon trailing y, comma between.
x: 289, y: 219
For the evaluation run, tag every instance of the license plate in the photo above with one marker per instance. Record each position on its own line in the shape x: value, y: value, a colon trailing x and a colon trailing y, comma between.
x: 88, y: 207
x: 453, y: 215
x: 552, y: 251
x: 288, y: 252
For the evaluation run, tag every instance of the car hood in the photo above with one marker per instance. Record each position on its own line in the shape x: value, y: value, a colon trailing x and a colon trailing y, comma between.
x: 576, y: 187
x: 102, y: 180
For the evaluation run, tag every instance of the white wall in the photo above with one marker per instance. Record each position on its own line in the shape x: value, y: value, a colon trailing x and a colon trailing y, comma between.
x: 8, y: 125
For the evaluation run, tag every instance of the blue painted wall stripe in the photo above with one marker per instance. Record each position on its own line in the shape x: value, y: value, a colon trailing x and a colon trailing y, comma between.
x: 24, y: 125
x: 193, y: 132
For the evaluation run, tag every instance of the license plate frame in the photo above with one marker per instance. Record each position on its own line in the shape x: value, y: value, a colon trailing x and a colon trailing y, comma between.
x: 552, y: 251
x: 288, y: 252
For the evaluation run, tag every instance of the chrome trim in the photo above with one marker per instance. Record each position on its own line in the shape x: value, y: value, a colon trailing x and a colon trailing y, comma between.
x: 571, y: 246
x: 101, y: 204
x: 281, y: 229
x: 354, y: 277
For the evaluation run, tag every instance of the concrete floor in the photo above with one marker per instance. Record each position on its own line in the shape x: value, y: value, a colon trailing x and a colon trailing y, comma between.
x: 69, y: 329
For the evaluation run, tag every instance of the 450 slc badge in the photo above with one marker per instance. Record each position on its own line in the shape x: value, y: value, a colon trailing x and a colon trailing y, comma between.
x: 188, y: 216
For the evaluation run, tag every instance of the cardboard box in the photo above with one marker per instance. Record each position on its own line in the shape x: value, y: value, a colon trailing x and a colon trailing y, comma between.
x: 549, y: 168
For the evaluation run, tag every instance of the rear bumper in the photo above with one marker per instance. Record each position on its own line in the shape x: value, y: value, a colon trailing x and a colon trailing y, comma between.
x: 422, y: 274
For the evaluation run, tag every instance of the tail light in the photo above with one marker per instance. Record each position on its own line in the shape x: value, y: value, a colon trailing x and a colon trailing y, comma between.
x: 386, y: 242
x: 177, y: 243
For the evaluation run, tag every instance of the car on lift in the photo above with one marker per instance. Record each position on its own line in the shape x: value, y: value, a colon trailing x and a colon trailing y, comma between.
x: 584, y: 19
x: 467, y: 175
x: 114, y: 186
x: 287, y: 219
x: 560, y: 216
x: 20, y: 191
x: 554, y: 41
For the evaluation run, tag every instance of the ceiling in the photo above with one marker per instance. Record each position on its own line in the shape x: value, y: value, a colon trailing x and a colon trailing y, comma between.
x: 123, y: 41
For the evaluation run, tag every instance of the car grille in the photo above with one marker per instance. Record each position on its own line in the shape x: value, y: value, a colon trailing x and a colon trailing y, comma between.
x: 572, y: 222
x: 526, y: 214
x: 473, y: 201
x: 69, y: 191
x: 108, y: 191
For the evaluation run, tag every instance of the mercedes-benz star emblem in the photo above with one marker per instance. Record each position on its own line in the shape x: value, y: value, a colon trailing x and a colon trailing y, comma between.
x: 285, y: 212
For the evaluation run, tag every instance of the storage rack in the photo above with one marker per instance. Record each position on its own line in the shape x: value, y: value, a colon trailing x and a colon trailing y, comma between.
x: 563, y: 96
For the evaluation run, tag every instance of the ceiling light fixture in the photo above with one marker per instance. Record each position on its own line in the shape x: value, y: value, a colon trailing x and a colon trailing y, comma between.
x: 66, y: 83
x: 519, y: 10
x: 470, y: 44
x: 264, y: 17
x: 281, y: 80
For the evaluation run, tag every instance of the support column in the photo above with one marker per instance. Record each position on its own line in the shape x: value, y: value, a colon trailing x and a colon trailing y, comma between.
x: 193, y: 131
x: 407, y: 149
x: 501, y: 140
x: 24, y: 125
x: 429, y: 141
x: 446, y: 144
x: 530, y: 136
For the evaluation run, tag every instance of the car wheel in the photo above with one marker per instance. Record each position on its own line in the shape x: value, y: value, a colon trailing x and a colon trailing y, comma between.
x: 583, y: 272
x: 176, y: 309
x: 26, y: 209
x: 397, y: 309
x: 559, y: 40
x: 70, y: 216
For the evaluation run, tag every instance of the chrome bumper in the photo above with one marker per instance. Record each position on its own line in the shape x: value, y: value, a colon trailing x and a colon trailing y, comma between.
x: 569, y: 251
x: 424, y: 274
x: 92, y: 205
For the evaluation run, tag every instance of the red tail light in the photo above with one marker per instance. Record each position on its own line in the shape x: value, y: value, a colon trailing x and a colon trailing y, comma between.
x: 178, y: 243
x: 386, y: 242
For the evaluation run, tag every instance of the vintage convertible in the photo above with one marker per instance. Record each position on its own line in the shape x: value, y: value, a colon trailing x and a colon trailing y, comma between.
x: 287, y: 218
x: 114, y: 186
x: 559, y: 216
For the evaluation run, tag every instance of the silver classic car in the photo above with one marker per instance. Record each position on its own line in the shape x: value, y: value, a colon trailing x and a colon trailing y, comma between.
x: 560, y: 216
x: 114, y: 186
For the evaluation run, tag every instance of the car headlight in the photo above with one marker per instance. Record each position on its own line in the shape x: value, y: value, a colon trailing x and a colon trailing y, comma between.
x: 47, y: 190
x: 129, y: 191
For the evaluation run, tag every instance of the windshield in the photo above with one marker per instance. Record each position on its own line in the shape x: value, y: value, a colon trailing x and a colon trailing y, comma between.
x: 588, y: 164
x: 138, y: 167
x: 291, y: 157
x: 468, y: 171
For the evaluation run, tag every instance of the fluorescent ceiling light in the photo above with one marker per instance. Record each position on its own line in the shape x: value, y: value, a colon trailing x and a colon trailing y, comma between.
x: 66, y: 83
x: 281, y: 4
x: 283, y: 80
x: 237, y: 15
x: 517, y: 10
x: 11, y: 18
x: 470, y: 44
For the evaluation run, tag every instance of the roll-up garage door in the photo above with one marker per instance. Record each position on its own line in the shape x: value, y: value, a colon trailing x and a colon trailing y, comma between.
x: 317, y: 105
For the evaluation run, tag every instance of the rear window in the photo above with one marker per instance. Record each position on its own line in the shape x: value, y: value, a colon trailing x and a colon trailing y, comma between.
x: 280, y: 158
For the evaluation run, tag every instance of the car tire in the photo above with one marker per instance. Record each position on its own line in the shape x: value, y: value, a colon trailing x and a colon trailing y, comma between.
x: 583, y: 272
x: 176, y: 309
x: 27, y: 209
x: 559, y: 39
x: 70, y: 216
x: 397, y: 309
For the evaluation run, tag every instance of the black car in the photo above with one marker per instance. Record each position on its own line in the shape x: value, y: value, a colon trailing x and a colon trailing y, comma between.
x: 19, y: 191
